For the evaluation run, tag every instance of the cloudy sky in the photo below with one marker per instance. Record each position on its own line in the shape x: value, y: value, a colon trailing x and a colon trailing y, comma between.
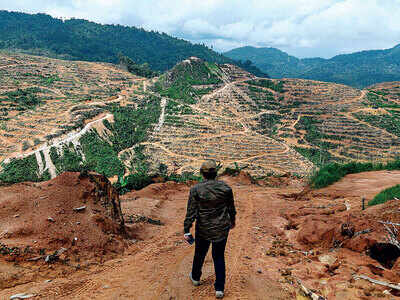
x: 304, y: 28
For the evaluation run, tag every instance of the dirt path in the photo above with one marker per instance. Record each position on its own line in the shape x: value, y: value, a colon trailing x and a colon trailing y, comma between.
x: 162, y: 115
x: 158, y: 267
x: 72, y: 137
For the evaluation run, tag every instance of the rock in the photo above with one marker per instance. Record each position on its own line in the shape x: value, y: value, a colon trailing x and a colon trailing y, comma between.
x: 317, y: 232
x: 22, y: 296
x: 286, y: 272
x: 77, y: 209
x: 55, y: 256
x: 327, y: 259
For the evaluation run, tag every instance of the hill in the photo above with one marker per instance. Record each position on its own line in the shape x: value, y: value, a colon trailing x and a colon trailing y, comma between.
x: 57, y: 234
x: 77, y: 39
x: 359, y: 69
x: 83, y: 40
x: 43, y: 99
x: 169, y: 124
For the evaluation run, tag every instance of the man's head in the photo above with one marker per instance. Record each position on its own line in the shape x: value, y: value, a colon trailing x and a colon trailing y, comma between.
x: 209, y: 169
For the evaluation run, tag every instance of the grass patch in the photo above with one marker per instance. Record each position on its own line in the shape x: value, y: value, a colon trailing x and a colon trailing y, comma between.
x: 386, y: 195
x: 378, y: 101
x: 267, y: 84
x: 178, y: 83
x: 333, y: 172
x: 21, y: 170
x: 23, y: 98
x: 317, y: 156
x: 390, y: 122
x: 100, y: 155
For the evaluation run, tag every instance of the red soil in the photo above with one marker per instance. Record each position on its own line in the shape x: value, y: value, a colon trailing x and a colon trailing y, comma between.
x: 278, y: 238
x: 43, y: 216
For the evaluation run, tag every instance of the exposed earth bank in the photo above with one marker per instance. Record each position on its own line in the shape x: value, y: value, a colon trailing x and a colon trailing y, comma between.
x: 321, y: 238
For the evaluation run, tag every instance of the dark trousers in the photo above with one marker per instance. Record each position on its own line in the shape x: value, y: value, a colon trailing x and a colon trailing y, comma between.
x: 218, y: 255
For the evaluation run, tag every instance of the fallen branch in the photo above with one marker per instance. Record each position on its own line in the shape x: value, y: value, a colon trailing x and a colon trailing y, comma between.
x: 389, y: 223
x: 365, y: 231
x: 308, y: 292
x: 387, y: 284
x: 392, y: 233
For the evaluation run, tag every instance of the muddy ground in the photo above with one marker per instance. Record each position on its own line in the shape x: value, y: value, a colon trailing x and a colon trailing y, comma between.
x: 281, y: 236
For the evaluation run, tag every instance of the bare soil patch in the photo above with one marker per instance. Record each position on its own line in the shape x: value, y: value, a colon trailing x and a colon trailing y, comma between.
x: 278, y: 240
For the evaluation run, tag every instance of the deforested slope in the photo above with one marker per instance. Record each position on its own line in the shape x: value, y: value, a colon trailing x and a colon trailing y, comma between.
x: 196, y: 110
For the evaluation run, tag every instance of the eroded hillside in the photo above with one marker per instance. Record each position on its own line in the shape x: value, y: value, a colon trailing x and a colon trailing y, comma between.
x: 272, y: 125
x: 60, y: 115
x: 41, y: 98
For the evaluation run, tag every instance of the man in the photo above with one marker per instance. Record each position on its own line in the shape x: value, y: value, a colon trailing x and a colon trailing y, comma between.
x: 211, y: 205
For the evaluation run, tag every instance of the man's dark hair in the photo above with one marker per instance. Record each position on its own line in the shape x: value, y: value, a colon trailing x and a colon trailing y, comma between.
x: 209, y: 175
x: 209, y: 169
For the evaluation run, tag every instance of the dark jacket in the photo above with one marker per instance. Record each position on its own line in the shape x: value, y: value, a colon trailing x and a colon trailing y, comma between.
x: 211, y: 204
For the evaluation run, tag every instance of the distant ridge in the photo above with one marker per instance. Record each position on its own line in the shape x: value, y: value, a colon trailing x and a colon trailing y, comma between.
x: 77, y: 39
x: 83, y: 40
x: 359, y: 69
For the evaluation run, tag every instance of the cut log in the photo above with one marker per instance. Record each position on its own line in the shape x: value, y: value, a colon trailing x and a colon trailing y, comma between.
x: 387, y: 284
x: 308, y: 292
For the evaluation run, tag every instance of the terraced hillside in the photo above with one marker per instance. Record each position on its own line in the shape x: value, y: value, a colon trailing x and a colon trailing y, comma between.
x: 60, y: 115
x: 219, y: 125
x: 41, y: 99
x: 274, y: 126
x: 321, y: 121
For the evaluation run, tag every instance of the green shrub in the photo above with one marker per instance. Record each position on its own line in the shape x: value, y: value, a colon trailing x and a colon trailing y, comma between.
x: 184, y: 177
x: 333, y: 172
x: 131, y: 126
x: 316, y: 155
x: 267, y: 84
x: 233, y: 171
x: 386, y: 195
x: 24, y: 98
x: 135, y: 181
x: 20, y: 170
x: 100, y: 155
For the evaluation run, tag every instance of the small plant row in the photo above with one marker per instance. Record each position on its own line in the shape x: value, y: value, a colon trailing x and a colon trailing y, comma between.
x: 278, y: 87
x: 386, y: 195
x: 23, y: 99
x: 390, y: 122
x: 333, y: 172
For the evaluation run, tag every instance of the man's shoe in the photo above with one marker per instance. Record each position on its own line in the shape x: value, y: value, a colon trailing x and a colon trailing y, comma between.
x: 219, y: 294
x: 195, y: 282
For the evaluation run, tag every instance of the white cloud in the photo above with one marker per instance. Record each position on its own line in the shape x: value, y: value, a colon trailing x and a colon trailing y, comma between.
x: 301, y: 27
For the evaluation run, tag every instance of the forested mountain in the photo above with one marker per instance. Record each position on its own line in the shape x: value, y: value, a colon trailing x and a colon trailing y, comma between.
x: 77, y: 39
x: 359, y: 69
